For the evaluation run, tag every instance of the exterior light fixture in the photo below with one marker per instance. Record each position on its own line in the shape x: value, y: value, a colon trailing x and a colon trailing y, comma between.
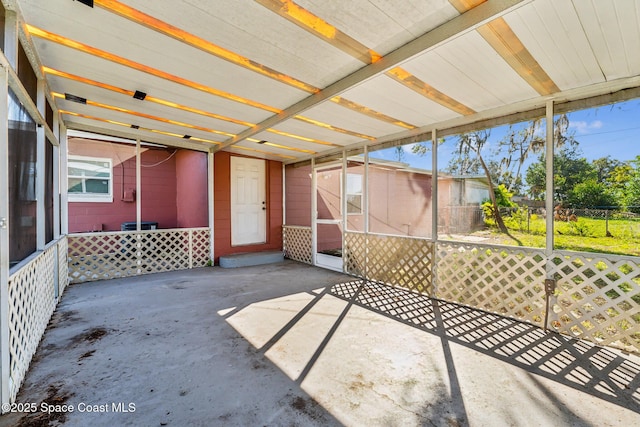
x: 75, y: 98
x: 139, y: 95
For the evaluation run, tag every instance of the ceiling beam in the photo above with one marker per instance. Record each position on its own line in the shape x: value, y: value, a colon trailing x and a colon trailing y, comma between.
x: 466, y: 22
x: 130, y: 135
x: 564, y: 102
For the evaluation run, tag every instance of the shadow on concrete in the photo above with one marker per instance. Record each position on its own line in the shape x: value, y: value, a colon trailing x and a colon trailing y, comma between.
x: 575, y: 363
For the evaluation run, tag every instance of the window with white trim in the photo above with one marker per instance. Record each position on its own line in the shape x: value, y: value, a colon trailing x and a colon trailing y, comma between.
x: 354, y: 194
x: 90, y: 179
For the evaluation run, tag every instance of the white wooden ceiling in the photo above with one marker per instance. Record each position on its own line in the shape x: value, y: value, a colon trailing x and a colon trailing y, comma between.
x: 286, y: 79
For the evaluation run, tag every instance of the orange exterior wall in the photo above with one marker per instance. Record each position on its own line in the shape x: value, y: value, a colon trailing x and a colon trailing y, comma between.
x: 222, y: 208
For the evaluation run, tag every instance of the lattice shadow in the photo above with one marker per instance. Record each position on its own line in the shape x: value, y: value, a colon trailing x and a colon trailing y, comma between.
x: 575, y: 363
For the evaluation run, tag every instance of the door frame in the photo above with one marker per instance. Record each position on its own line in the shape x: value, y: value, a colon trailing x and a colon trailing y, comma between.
x: 322, y: 260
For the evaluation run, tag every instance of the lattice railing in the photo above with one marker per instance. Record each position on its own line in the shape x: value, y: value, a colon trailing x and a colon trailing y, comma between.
x: 400, y: 261
x: 597, y: 298
x: 354, y: 253
x: 499, y: 279
x: 109, y: 255
x: 31, y: 303
x: 297, y: 243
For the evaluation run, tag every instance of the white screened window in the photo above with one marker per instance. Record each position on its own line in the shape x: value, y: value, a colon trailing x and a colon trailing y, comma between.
x: 90, y: 179
x: 354, y: 193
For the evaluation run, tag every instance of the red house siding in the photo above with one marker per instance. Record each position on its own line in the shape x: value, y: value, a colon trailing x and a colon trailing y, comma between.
x: 298, y: 192
x: 222, y: 208
x: 191, y: 188
x: 158, y: 175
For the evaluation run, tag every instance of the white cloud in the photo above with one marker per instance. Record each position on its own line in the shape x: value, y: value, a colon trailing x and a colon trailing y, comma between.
x: 583, y: 127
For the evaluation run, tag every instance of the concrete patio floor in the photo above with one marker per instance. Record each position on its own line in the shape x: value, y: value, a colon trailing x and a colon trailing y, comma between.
x: 292, y: 345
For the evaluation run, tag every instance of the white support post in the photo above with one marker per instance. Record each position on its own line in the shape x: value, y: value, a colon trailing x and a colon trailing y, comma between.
x: 190, y: 234
x: 57, y: 178
x: 4, y: 237
x: 64, y: 183
x: 41, y: 175
x: 365, y: 207
x: 434, y: 212
x: 211, y: 192
x: 284, y: 195
x: 138, y: 186
x: 314, y: 212
x: 343, y: 204
x: 549, y: 204
x: 138, y: 237
x: 549, y: 282
x: 434, y: 186
x: 11, y: 41
x: 365, y: 190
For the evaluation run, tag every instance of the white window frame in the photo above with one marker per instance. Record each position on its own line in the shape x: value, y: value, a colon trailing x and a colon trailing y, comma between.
x: 91, y: 197
x: 361, y: 193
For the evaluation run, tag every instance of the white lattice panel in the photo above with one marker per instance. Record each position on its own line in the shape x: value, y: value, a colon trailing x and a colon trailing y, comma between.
x: 162, y: 251
x: 597, y: 298
x: 98, y: 256
x: 297, y: 243
x: 503, y: 280
x: 31, y: 303
x: 398, y: 261
x: 200, y: 253
x: 355, y: 253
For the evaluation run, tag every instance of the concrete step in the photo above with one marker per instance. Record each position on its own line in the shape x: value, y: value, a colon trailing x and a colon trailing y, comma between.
x: 251, y: 258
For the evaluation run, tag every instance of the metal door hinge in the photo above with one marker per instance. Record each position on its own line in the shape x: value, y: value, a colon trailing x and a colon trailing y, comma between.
x: 3, y: 223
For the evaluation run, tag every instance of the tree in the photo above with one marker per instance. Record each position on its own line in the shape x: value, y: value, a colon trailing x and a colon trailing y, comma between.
x: 569, y: 171
x: 399, y: 152
x: 631, y: 189
x: 465, y: 163
x: 518, y: 144
x: 472, y: 143
x: 514, y: 149
x: 592, y: 194
x: 503, y: 200
x: 605, y: 168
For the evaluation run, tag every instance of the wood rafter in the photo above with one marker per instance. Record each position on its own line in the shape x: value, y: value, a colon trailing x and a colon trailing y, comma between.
x: 55, y: 38
x: 502, y: 38
x: 453, y: 28
x: 463, y: 6
x: 183, y: 36
x: 340, y: 40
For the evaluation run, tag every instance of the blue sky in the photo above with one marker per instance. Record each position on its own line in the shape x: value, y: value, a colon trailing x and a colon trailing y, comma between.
x: 610, y: 130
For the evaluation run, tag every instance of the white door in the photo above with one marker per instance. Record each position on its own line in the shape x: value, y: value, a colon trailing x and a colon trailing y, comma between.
x: 328, y: 218
x: 248, y: 202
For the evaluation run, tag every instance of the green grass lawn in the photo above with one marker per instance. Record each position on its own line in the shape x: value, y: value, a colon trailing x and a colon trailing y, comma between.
x: 585, y: 235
